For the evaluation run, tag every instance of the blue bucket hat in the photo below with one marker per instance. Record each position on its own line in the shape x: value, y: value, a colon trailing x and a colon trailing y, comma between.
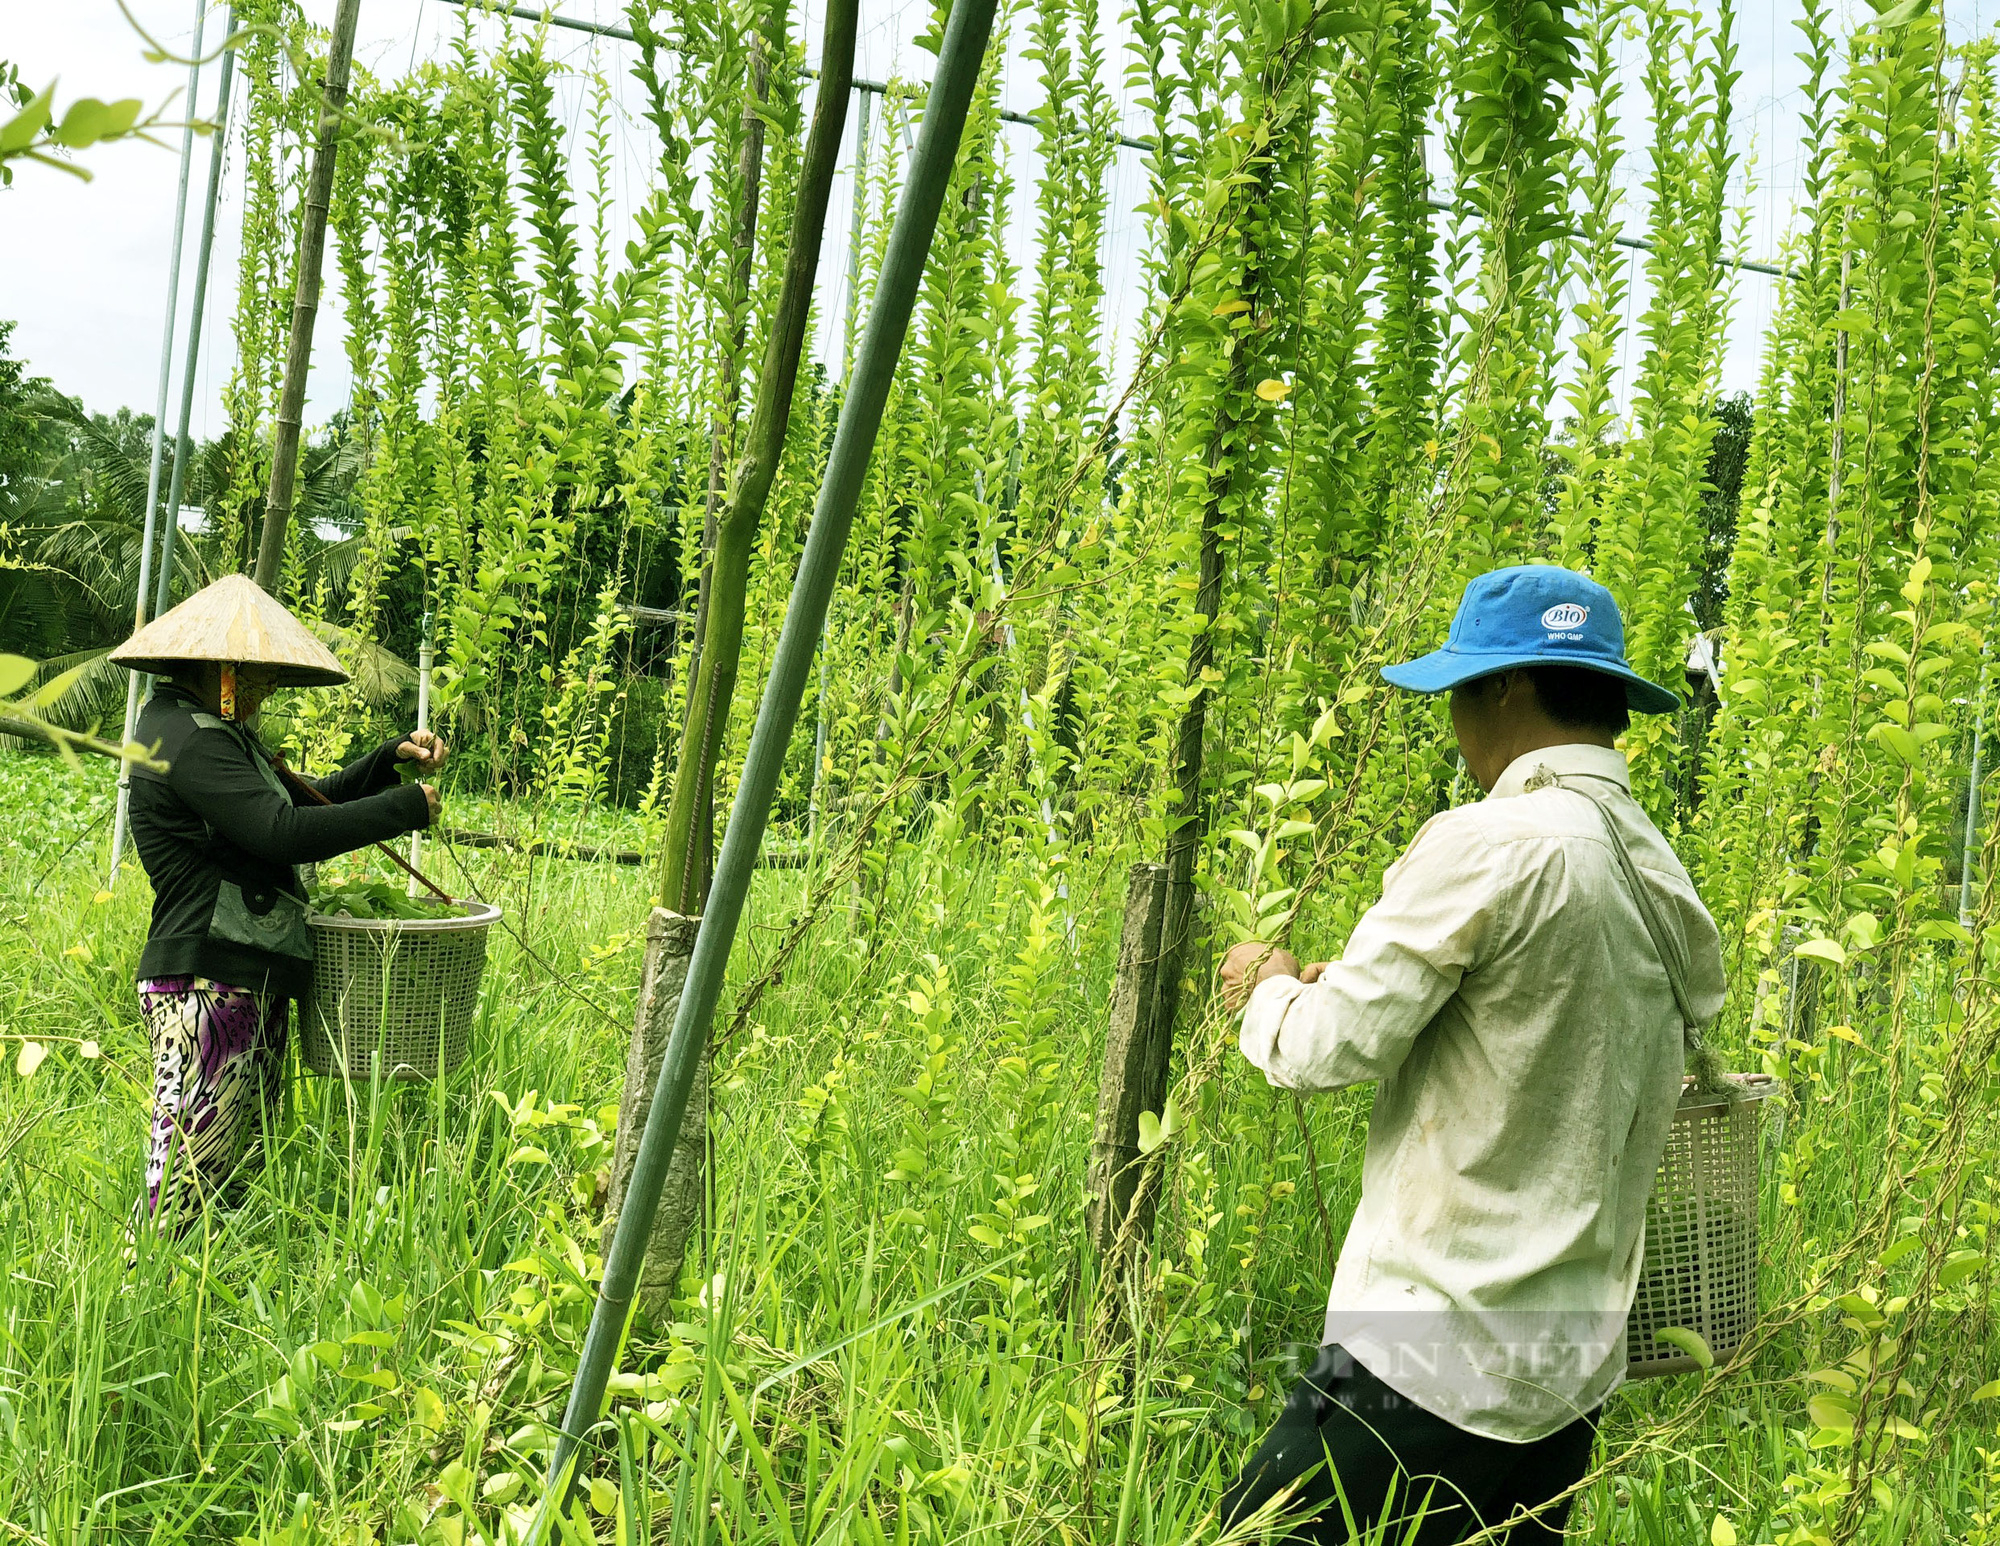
x: 1533, y: 615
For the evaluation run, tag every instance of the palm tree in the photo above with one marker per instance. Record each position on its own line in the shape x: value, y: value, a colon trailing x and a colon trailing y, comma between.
x: 68, y: 587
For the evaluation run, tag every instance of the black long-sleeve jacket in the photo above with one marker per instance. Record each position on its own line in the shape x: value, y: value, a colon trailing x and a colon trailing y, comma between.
x: 220, y: 834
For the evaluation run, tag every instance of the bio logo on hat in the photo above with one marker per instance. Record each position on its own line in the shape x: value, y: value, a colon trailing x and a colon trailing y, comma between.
x: 1565, y: 618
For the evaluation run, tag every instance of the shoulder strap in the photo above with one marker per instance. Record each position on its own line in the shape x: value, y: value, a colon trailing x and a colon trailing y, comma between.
x: 1702, y: 1063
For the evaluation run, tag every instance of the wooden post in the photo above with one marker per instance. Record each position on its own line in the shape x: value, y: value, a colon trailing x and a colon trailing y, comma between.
x: 669, y: 947
x: 1136, y: 1047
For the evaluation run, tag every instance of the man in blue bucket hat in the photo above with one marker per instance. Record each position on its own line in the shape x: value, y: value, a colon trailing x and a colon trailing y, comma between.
x: 1523, y: 997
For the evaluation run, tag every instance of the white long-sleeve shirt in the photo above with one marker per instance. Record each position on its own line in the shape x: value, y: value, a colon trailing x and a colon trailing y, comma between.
x: 1508, y: 1001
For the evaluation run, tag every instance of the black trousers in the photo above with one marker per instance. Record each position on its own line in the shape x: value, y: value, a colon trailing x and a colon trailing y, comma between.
x: 1391, y: 1461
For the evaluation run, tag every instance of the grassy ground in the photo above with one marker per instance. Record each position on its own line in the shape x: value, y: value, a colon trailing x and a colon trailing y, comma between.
x: 880, y: 1340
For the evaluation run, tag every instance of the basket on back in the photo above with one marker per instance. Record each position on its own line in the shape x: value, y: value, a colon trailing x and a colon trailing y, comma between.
x: 1700, y: 1272
x: 403, y: 988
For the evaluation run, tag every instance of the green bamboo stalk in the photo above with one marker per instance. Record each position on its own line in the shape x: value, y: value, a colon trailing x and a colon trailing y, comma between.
x: 720, y: 643
x: 854, y: 440
x: 305, y: 299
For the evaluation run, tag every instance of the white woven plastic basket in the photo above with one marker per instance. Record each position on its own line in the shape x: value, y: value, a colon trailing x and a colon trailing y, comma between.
x: 403, y: 987
x: 1701, y: 1233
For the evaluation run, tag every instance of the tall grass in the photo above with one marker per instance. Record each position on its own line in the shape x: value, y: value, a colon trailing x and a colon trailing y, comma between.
x: 881, y: 1338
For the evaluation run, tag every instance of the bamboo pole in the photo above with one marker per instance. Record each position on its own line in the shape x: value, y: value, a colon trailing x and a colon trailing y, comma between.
x: 305, y: 299
x: 685, y: 871
x: 121, y: 820
x: 959, y: 60
x: 712, y: 689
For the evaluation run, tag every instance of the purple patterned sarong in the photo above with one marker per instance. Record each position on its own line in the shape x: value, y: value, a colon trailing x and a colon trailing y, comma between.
x: 218, y: 1066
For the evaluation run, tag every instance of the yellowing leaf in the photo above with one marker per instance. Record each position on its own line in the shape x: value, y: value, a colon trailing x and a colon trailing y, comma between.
x: 1822, y: 950
x: 603, y: 1496
x: 1990, y: 1391
x: 1833, y: 1413
x: 426, y: 1409
x: 1272, y: 390
x: 1721, y: 1532
x: 30, y: 1058
x: 90, y: 1049
x: 101, y: 898
x: 1231, y: 308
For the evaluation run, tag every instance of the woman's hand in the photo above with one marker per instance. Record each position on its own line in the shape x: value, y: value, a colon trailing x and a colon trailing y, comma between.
x: 426, y: 749
x: 1276, y: 961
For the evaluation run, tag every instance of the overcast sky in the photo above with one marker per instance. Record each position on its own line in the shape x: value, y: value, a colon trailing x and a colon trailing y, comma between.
x: 83, y: 266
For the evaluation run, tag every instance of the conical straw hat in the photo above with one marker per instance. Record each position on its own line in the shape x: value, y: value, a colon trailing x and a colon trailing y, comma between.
x: 233, y: 621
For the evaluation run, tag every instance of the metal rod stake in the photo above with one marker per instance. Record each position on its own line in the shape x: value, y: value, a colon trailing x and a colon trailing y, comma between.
x: 122, y: 818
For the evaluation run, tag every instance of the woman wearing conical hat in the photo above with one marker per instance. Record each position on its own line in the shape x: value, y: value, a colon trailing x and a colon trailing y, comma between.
x: 220, y: 834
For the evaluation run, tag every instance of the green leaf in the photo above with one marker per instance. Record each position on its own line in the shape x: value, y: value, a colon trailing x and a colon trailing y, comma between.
x: 987, y: 1236
x: 1959, y: 1266
x: 1898, y: 740
x: 1822, y: 950
x: 16, y: 671
x: 19, y: 131
x: 455, y: 1482
x: 1689, y: 1342
x: 1150, y: 1136
x: 89, y: 120
x: 55, y: 688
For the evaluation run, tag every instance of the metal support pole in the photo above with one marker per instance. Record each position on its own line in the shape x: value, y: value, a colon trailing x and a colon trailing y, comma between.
x: 305, y: 299
x: 139, y: 601
x: 855, y: 226
x: 1971, y: 849
x: 959, y: 59
x: 184, y: 452
x: 857, y: 222
x: 423, y: 723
